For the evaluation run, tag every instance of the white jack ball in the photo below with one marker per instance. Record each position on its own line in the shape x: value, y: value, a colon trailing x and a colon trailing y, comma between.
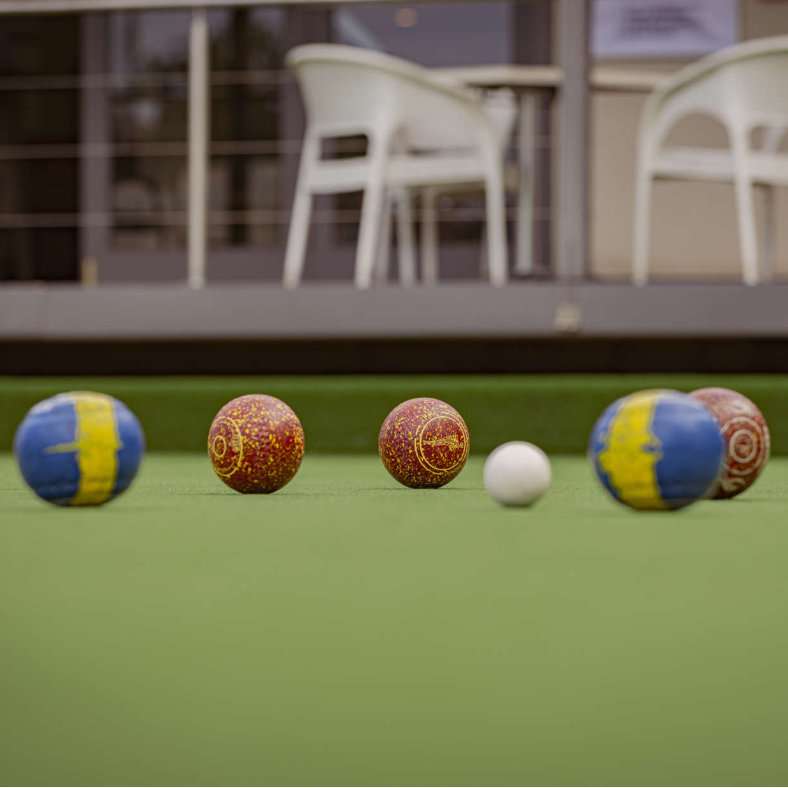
x: 517, y: 473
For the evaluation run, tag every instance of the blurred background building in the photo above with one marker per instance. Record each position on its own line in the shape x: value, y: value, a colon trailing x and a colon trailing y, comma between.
x: 113, y: 88
x: 93, y: 137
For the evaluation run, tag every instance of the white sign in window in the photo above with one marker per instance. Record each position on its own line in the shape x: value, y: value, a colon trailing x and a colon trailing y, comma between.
x: 663, y: 28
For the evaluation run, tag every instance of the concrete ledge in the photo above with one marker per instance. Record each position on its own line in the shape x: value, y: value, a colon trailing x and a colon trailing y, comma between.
x: 522, y: 310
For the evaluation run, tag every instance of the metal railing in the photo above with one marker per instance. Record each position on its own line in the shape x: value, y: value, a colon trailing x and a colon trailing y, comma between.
x: 84, y: 6
x: 573, y: 164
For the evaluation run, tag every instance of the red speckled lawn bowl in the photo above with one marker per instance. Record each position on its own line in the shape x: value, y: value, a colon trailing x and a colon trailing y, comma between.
x: 256, y: 444
x: 424, y: 442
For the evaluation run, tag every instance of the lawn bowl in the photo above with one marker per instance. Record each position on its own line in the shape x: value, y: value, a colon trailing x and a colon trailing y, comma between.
x: 746, y: 436
x: 657, y: 450
x: 424, y: 442
x: 256, y: 444
x: 79, y: 448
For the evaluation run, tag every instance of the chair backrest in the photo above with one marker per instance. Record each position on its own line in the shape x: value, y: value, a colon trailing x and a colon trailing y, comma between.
x: 744, y: 87
x: 348, y: 90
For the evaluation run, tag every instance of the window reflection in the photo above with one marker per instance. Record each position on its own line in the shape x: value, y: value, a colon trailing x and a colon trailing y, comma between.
x: 434, y: 34
x: 39, y: 184
x: 130, y: 85
x: 149, y: 61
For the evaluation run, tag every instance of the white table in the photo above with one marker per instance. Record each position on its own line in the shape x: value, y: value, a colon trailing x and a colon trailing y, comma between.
x: 528, y: 82
x: 534, y: 78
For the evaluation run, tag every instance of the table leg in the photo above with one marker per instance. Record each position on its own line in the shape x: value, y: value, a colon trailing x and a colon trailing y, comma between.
x: 574, y: 21
x: 527, y: 140
x: 768, y: 249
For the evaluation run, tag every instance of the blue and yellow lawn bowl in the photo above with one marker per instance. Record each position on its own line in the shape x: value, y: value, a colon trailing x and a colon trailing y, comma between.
x: 657, y: 450
x: 79, y: 448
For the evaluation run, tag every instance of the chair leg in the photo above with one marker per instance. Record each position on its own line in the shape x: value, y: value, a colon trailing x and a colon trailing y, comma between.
x: 429, y: 236
x: 383, y: 256
x: 745, y: 207
x: 768, y: 248
x: 405, y: 242
x: 371, y: 215
x: 484, y: 257
x: 642, y: 229
x: 496, y: 227
x: 747, y: 235
x: 297, y: 237
x: 298, y: 233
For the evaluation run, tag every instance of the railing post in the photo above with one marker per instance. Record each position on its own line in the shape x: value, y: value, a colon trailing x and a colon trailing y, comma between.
x: 95, y: 181
x: 199, y: 140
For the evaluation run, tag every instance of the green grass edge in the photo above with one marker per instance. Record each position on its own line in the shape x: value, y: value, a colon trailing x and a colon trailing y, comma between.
x: 342, y: 414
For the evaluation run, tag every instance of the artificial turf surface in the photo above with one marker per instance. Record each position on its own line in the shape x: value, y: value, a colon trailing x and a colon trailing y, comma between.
x: 350, y: 631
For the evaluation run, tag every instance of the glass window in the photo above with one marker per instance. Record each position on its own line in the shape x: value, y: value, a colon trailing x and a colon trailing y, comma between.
x: 433, y: 34
x: 39, y: 177
x: 115, y: 86
x: 149, y: 66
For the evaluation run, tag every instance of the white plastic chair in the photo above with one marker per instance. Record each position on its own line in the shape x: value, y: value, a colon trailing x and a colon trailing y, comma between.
x: 350, y: 91
x: 745, y: 87
x: 501, y: 110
